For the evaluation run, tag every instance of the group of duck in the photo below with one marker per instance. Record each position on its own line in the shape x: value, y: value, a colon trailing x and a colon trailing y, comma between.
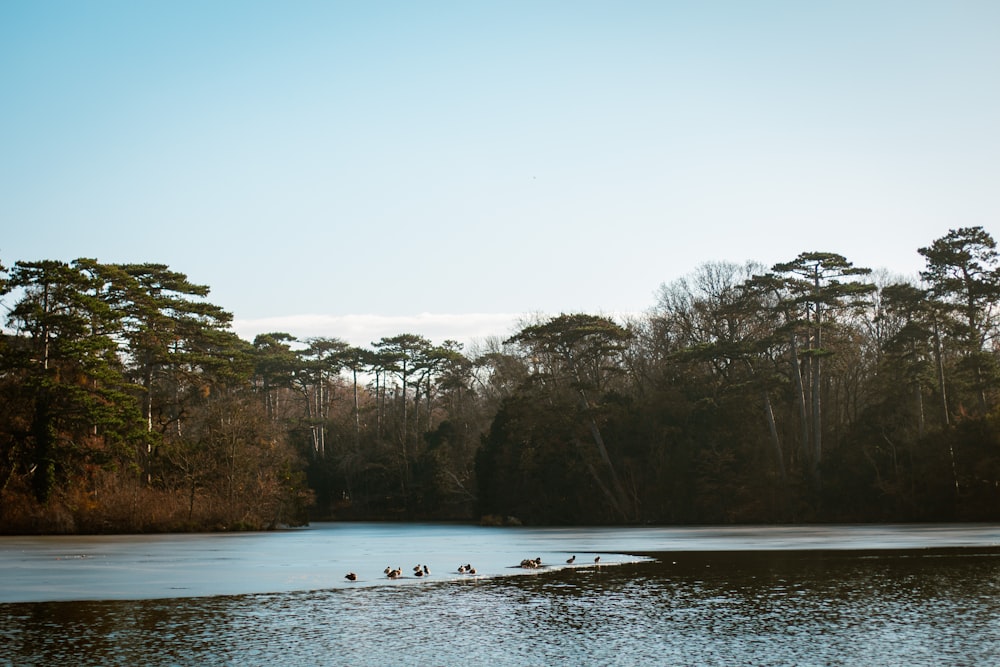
x: 532, y: 563
x: 418, y: 571
x: 423, y: 570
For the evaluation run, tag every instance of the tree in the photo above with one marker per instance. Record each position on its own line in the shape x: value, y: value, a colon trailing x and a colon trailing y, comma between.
x: 322, y: 360
x: 66, y: 364
x: 908, y: 320
x: 402, y: 355
x: 239, y: 464
x: 446, y: 365
x: 963, y: 270
x: 580, y: 351
x: 357, y: 360
x: 496, y: 371
x: 172, y: 338
x: 721, y: 318
x: 275, y: 364
x: 178, y: 347
x: 813, y: 283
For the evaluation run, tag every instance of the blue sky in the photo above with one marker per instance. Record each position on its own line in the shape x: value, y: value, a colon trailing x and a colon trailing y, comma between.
x: 359, y: 169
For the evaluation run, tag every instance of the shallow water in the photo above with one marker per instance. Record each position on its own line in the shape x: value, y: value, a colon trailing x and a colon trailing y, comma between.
x: 861, y: 595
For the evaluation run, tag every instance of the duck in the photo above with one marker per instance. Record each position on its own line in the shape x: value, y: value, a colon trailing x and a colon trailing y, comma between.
x: 597, y: 561
x: 398, y: 572
x: 571, y: 559
x: 427, y: 570
x: 350, y: 576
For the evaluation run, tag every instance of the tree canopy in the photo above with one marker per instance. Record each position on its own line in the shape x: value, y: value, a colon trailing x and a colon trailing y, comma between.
x: 811, y: 391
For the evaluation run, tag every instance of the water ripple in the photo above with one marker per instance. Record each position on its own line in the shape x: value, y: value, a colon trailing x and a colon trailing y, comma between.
x: 763, y: 609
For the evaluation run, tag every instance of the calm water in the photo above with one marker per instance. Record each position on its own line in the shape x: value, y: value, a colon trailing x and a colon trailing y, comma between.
x: 847, y: 595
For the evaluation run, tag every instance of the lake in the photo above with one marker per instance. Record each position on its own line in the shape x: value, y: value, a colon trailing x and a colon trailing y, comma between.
x: 790, y: 595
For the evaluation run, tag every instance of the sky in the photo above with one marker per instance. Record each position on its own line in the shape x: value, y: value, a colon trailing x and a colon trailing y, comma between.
x: 363, y: 169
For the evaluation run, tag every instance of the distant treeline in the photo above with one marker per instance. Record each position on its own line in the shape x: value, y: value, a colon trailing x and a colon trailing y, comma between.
x: 813, y: 390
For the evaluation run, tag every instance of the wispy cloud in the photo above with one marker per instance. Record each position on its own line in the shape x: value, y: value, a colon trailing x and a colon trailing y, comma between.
x: 362, y: 330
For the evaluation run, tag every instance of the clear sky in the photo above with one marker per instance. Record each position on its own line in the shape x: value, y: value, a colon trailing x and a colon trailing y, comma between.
x: 367, y: 168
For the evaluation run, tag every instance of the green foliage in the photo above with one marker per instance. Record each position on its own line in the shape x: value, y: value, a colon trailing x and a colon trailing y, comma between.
x: 105, y: 365
x: 803, y: 393
x: 963, y: 270
x: 530, y: 466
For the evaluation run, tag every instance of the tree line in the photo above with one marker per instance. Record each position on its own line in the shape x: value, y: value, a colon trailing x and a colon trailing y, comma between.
x: 813, y: 390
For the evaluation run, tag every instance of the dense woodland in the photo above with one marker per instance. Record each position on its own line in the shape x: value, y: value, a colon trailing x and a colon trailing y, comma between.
x: 813, y: 390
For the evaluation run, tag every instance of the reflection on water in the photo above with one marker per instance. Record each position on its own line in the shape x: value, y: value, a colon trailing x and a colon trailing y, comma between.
x: 686, y: 608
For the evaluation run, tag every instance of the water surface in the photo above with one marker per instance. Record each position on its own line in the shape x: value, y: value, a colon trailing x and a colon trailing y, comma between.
x: 848, y: 595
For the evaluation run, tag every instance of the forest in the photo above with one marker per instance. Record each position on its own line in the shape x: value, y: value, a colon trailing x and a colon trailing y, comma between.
x: 813, y: 390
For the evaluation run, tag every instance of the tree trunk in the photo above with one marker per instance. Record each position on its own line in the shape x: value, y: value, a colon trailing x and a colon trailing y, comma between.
x: 919, y: 396
x: 779, y: 458
x: 619, y: 498
x: 800, y: 400
x: 357, y: 410
x: 817, y: 369
x: 939, y: 359
x: 378, y: 406
x: 148, y: 409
